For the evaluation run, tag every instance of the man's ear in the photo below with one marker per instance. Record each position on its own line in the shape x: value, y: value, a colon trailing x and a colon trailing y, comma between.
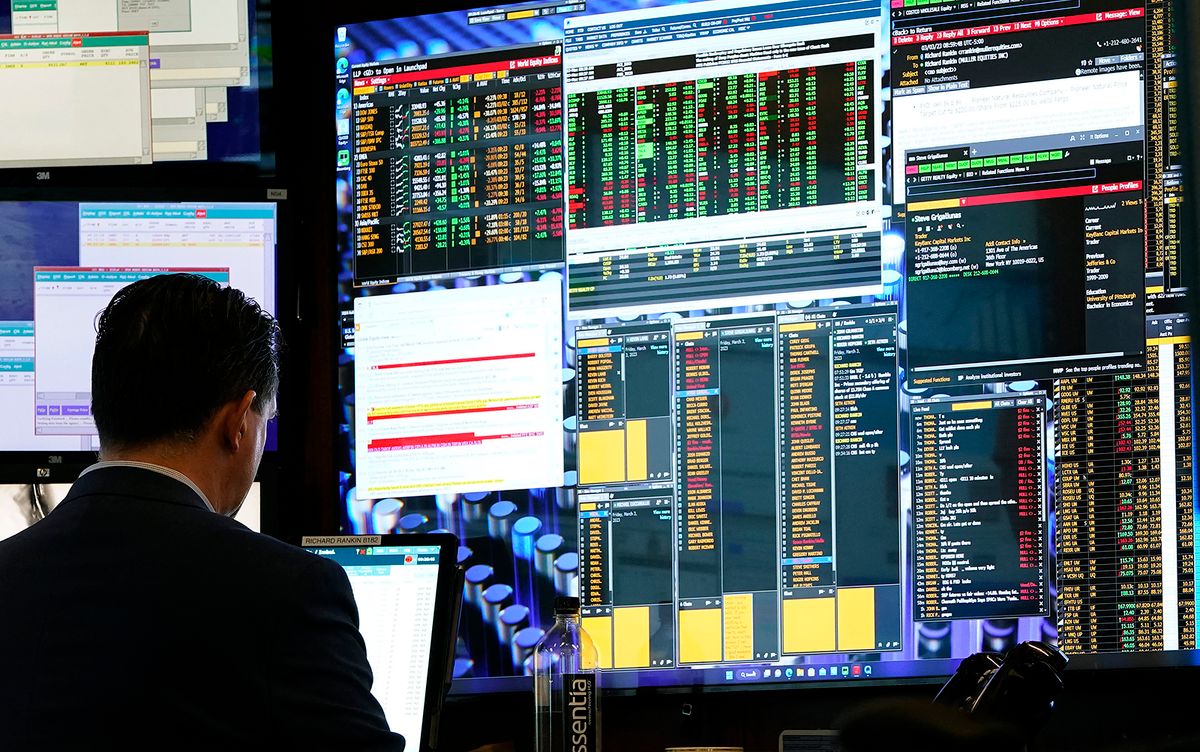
x: 235, y: 424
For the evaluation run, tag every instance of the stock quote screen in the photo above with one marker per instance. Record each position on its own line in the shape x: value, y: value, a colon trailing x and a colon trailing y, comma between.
x: 801, y: 340
x: 460, y: 163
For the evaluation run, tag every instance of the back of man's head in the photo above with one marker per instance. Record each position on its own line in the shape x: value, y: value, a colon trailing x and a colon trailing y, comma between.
x: 171, y: 350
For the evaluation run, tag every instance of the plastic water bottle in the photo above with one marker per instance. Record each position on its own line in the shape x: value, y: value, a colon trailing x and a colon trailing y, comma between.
x: 565, y: 685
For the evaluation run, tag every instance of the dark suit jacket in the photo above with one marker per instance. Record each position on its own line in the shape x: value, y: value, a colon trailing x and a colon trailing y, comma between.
x: 133, y: 616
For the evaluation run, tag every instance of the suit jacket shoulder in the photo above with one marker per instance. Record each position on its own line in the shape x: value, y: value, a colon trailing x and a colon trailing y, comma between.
x: 143, y: 616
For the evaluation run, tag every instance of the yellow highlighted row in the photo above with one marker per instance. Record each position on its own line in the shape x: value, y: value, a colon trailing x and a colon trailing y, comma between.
x: 405, y: 487
x: 948, y: 203
x: 981, y: 405
x: 1183, y: 340
x: 427, y: 407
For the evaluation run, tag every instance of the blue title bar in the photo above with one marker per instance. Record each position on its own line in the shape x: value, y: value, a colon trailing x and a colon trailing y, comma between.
x: 16, y: 328
x: 10, y: 364
x: 401, y: 550
x: 586, y: 34
x: 684, y: 394
x: 220, y: 277
x: 377, y: 560
x: 808, y: 560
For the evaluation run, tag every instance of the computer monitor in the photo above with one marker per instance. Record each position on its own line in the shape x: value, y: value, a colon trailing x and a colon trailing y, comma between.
x: 868, y: 320
x: 63, y: 262
x: 24, y: 504
x: 408, y: 595
x: 94, y: 83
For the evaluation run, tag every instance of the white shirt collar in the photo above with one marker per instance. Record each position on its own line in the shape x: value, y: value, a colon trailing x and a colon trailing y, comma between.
x: 169, y: 472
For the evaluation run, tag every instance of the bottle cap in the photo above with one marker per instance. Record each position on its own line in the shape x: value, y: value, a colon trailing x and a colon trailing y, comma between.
x: 566, y: 605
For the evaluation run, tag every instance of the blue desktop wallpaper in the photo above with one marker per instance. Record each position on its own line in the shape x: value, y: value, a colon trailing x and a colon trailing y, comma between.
x: 33, y: 234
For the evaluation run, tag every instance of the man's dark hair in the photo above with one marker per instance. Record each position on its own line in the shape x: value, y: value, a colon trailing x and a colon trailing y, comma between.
x: 171, y: 350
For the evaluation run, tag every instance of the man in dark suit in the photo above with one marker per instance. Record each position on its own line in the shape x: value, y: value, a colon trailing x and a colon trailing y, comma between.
x: 139, y: 614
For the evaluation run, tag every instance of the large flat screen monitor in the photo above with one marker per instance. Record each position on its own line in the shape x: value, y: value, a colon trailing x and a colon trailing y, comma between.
x: 63, y: 261
x: 803, y: 340
x: 102, y: 82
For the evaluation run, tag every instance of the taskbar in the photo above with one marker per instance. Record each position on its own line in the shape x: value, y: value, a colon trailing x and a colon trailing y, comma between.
x: 830, y: 669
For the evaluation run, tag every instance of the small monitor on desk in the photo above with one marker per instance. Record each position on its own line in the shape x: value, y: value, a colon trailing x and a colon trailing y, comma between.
x: 407, y: 591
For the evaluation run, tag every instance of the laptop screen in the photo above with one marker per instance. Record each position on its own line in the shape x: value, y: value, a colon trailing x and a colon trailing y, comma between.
x: 396, y: 590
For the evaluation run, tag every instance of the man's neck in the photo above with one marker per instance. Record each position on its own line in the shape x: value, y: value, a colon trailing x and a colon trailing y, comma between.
x: 189, y: 464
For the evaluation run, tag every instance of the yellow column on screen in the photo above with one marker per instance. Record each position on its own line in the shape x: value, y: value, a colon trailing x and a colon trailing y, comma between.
x: 599, y: 628
x: 856, y: 618
x: 601, y: 456
x: 739, y: 627
x: 635, y: 449
x: 700, y: 635
x: 631, y: 637
x: 808, y: 625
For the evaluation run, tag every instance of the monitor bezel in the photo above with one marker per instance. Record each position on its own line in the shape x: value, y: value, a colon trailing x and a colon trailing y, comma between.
x: 1081, y: 664
x: 204, y: 174
x: 40, y: 466
x: 447, y: 599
